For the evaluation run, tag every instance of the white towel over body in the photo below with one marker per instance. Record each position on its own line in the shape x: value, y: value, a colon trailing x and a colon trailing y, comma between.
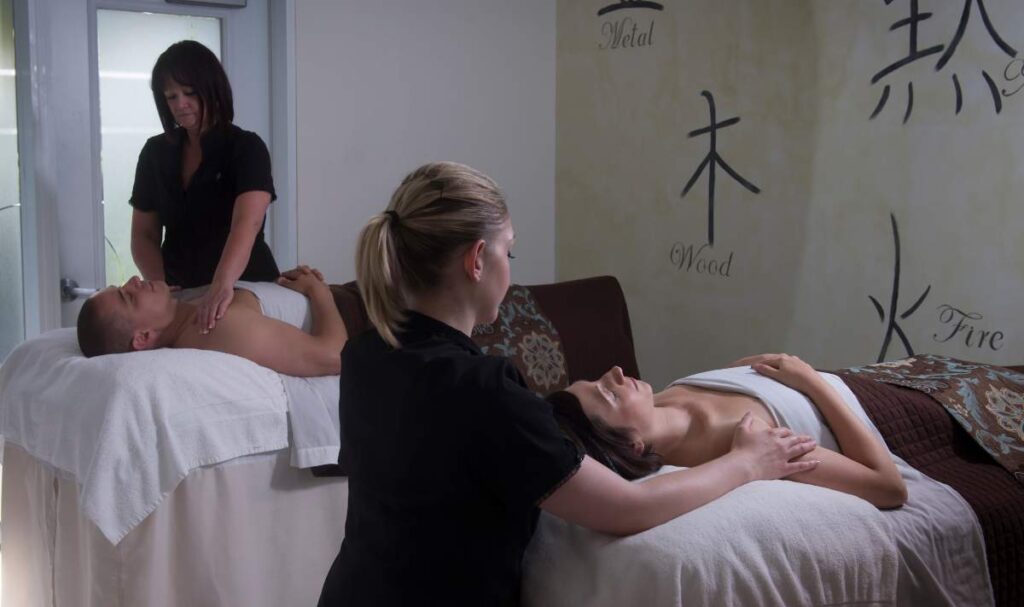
x: 789, y: 407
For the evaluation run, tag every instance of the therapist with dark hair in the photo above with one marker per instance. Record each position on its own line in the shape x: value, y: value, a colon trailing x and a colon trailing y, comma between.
x: 202, y: 187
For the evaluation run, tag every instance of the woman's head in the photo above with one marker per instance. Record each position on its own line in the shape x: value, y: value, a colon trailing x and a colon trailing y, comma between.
x: 189, y: 70
x: 605, y: 417
x: 443, y: 218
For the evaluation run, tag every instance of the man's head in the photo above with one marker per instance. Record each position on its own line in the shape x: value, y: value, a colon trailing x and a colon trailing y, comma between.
x: 126, y: 318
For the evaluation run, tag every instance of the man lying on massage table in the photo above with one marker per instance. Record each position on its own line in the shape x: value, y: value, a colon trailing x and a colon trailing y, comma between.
x: 142, y: 315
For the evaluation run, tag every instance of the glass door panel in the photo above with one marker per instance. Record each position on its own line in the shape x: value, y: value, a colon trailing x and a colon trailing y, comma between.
x: 12, y: 313
x: 128, y: 44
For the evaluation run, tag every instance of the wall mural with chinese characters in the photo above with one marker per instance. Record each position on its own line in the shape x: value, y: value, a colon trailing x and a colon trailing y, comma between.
x: 836, y: 179
x: 911, y: 26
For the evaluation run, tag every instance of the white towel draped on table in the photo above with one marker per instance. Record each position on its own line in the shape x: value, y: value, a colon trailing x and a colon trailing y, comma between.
x: 129, y: 427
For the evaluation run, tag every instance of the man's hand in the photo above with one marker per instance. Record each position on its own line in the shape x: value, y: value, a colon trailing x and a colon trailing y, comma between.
x: 302, y: 279
x: 770, y: 452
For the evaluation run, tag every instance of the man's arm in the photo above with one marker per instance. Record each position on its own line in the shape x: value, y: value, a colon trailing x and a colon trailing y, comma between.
x: 327, y: 326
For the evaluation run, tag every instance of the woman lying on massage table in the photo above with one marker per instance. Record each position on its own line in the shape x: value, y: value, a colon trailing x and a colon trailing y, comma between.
x: 624, y: 424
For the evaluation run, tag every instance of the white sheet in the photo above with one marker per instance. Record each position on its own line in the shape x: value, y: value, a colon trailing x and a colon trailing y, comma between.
x: 766, y: 543
x: 128, y: 427
x: 942, y: 550
x: 252, y: 532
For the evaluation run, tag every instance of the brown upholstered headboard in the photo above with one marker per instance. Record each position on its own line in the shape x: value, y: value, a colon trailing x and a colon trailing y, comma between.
x: 593, y: 322
x: 589, y: 314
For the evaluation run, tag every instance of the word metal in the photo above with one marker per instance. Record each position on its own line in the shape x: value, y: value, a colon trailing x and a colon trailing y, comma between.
x: 626, y: 33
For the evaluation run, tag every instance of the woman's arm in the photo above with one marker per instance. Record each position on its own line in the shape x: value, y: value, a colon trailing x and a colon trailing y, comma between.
x: 145, y: 244
x: 597, y: 498
x: 246, y: 221
x: 864, y: 468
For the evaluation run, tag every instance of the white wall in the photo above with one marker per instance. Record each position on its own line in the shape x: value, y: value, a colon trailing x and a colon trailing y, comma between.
x: 384, y: 86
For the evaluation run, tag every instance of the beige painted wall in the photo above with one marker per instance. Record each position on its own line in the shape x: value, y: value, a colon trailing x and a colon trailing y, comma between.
x: 385, y: 86
x: 809, y: 249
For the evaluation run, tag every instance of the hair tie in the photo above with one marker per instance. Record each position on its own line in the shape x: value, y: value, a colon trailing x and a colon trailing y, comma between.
x: 393, y: 217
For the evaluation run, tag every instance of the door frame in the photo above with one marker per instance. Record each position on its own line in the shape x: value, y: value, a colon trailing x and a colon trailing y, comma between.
x: 58, y: 102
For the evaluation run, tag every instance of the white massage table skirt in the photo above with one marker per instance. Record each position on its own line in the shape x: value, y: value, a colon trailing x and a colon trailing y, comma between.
x: 252, y: 531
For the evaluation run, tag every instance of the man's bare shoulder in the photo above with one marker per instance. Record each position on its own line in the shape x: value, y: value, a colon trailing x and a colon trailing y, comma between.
x: 235, y: 331
x: 245, y: 299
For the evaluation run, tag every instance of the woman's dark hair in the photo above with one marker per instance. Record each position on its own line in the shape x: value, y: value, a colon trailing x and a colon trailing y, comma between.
x: 191, y: 64
x: 613, y: 447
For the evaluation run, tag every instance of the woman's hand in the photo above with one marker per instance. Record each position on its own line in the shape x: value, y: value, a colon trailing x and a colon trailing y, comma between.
x: 786, y: 369
x: 212, y: 305
x: 770, y: 451
x: 302, y: 279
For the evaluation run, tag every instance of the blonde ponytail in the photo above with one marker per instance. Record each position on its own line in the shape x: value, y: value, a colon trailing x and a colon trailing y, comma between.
x: 438, y: 208
x: 375, y: 273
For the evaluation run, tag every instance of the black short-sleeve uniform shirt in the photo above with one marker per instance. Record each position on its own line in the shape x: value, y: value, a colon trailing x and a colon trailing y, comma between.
x: 448, y: 455
x: 197, y: 218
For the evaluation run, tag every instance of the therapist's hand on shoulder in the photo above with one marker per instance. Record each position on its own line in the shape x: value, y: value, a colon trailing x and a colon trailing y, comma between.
x: 771, y: 453
x: 212, y: 305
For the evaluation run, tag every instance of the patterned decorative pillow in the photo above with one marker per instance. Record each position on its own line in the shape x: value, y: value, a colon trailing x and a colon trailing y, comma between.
x: 525, y: 335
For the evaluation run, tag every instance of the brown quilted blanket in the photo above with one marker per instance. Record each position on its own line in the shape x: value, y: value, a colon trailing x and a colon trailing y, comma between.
x: 919, y: 429
x: 986, y: 400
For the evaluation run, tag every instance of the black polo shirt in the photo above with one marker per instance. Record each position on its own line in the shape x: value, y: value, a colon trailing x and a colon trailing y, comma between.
x: 197, y: 219
x: 448, y: 456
